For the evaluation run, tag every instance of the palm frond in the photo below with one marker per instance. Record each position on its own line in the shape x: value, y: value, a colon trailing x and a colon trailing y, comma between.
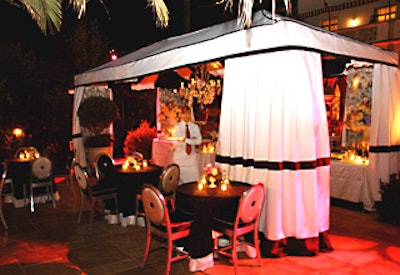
x: 46, y: 13
x: 245, y: 8
x: 79, y: 6
x: 160, y: 11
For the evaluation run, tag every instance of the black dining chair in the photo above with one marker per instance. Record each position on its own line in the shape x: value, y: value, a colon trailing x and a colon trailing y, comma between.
x: 169, y: 180
x: 245, y: 221
x: 93, y: 191
x: 163, y: 224
x: 71, y: 175
x: 41, y: 177
x: 103, y: 164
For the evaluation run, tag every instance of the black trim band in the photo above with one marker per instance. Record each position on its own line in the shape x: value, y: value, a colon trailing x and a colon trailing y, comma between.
x: 384, y: 149
x: 77, y: 135
x: 272, y: 165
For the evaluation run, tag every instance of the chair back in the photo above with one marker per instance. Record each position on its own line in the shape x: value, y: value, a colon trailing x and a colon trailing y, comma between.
x: 103, y: 165
x: 2, y: 183
x: 251, y: 203
x: 80, y: 176
x: 154, y: 205
x: 169, y: 178
x: 41, y: 168
x: 3, y: 177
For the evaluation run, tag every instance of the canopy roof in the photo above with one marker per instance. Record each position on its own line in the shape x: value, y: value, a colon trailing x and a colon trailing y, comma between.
x: 226, y: 40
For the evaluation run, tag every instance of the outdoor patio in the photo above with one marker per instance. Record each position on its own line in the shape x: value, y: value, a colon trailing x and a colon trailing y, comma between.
x: 50, y: 241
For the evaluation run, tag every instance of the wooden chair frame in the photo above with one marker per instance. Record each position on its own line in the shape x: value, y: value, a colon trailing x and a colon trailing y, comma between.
x: 246, y: 221
x: 159, y: 223
x: 169, y: 180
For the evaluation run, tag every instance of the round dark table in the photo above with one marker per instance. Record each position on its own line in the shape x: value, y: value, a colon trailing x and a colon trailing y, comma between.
x: 204, y: 205
x: 129, y: 182
x: 19, y: 170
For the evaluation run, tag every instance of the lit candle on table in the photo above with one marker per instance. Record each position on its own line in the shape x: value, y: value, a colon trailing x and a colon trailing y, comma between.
x: 226, y: 181
x: 145, y: 163
x: 212, y: 182
x: 223, y: 187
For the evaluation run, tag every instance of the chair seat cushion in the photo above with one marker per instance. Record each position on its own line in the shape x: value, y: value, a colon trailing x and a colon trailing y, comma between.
x: 102, y: 189
x: 179, y: 216
x: 175, y: 226
x: 45, y: 180
x: 179, y: 221
x: 225, y: 223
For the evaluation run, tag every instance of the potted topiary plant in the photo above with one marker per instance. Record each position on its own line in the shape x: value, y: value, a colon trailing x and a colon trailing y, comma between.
x: 95, y: 114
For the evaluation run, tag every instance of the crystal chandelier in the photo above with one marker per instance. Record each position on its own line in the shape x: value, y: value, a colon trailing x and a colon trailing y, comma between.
x: 200, y: 87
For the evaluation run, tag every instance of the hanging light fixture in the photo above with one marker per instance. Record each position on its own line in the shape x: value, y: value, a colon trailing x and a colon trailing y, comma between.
x: 201, y: 87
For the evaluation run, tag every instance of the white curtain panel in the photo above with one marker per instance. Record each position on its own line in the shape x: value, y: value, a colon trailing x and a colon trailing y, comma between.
x: 273, y: 129
x: 385, y: 125
x: 82, y: 93
x: 77, y: 139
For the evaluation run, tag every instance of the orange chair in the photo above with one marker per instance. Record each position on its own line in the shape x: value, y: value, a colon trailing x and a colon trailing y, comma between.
x: 169, y: 180
x: 246, y: 221
x: 160, y: 222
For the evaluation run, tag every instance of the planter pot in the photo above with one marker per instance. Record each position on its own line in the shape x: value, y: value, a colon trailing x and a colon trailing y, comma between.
x: 93, y: 152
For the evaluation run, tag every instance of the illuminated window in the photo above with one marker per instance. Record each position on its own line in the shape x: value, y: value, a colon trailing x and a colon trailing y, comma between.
x: 385, y: 13
x: 330, y: 26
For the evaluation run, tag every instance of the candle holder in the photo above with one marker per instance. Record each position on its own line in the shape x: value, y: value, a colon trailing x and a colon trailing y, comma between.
x: 133, y: 163
x: 213, y: 177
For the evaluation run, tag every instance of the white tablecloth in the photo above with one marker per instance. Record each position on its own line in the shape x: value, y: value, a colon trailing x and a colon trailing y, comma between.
x: 162, y: 151
x: 352, y: 182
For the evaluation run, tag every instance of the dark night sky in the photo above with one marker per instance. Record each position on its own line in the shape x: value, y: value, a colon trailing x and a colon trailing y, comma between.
x: 131, y: 24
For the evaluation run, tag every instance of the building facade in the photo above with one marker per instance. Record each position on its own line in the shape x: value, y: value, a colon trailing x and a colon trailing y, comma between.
x: 372, y: 21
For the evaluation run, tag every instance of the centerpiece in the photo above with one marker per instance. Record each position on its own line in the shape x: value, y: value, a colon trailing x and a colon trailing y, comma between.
x: 135, y: 162
x: 212, y: 177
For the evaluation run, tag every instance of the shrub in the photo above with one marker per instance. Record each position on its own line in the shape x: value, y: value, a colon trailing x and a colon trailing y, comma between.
x: 140, y: 140
x: 96, y: 113
x: 389, y: 208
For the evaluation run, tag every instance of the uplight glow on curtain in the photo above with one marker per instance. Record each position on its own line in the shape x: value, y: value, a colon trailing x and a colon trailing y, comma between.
x: 273, y: 129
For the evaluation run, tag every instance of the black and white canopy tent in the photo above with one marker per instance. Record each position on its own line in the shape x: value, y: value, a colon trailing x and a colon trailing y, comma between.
x: 273, y: 126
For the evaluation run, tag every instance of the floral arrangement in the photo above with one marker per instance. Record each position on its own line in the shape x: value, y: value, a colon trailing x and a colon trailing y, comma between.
x: 212, y: 176
x: 359, y: 115
x: 169, y: 116
x: 170, y: 110
x: 140, y: 140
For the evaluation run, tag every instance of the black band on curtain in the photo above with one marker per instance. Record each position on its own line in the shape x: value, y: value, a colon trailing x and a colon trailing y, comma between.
x: 273, y: 165
x: 79, y: 135
x: 384, y: 149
